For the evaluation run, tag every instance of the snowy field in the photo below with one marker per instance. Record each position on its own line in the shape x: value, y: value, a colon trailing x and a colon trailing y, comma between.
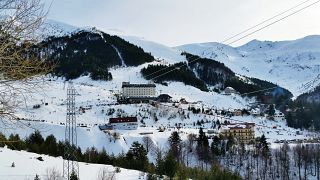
x: 27, y: 166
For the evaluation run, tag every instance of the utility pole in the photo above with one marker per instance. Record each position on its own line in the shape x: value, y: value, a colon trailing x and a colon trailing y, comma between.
x: 70, y: 163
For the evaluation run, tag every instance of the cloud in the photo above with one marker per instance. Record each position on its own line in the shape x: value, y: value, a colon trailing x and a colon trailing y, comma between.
x: 175, y: 22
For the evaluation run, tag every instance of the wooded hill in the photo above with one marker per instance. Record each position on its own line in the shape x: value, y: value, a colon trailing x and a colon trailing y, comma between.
x: 203, y: 73
x: 90, y: 52
x: 177, y: 72
x: 311, y: 97
x: 303, y: 112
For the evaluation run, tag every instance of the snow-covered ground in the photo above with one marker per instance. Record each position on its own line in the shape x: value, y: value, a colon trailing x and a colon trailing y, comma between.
x: 161, y: 52
x: 27, y: 166
x: 98, y: 97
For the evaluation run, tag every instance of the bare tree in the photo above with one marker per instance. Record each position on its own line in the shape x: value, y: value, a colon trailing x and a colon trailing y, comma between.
x: 189, y: 146
x: 53, y: 174
x: 306, y: 159
x: 298, y: 157
x: 317, y: 160
x: 20, y: 65
x: 105, y: 174
x: 285, y: 161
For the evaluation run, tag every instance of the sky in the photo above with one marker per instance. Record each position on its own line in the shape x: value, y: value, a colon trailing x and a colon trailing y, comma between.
x: 177, y: 22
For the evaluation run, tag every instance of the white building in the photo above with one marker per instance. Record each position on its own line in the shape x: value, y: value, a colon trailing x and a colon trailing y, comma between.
x: 230, y: 91
x: 138, y: 90
x: 125, y: 123
x: 255, y: 112
x: 279, y: 115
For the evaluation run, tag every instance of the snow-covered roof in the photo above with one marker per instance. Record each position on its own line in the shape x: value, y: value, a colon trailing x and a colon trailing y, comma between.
x: 127, y: 84
x: 238, y: 126
x: 123, y: 120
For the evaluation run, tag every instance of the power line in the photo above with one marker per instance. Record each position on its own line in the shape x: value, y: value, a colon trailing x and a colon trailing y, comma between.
x: 261, y: 90
x: 291, y: 14
x: 246, y: 30
x: 295, y: 12
x: 174, y: 68
x: 252, y: 27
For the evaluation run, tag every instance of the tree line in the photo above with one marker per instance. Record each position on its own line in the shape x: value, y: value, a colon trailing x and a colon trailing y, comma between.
x: 136, y: 158
x: 176, y: 72
x: 303, y: 115
x: 250, y: 161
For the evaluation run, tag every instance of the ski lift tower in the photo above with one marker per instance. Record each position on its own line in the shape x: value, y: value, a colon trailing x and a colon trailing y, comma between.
x: 70, y: 163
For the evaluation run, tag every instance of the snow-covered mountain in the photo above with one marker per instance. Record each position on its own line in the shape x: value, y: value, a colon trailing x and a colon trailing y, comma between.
x: 55, y: 28
x: 294, y: 65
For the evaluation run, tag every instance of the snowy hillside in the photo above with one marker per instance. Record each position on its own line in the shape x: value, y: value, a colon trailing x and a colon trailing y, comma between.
x: 27, y: 166
x: 55, y: 28
x: 291, y: 64
x: 163, y: 53
x: 98, y: 98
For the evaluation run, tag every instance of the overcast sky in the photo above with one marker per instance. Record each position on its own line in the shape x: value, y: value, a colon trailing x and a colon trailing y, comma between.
x: 176, y: 22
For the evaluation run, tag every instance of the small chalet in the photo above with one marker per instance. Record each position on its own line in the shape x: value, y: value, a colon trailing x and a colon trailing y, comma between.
x: 279, y: 115
x: 183, y: 101
x: 124, y: 123
x: 164, y: 98
x: 255, y: 112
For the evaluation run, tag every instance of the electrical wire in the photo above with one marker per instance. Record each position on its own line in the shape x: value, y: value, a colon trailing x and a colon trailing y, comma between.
x: 250, y: 28
x: 274, y: 22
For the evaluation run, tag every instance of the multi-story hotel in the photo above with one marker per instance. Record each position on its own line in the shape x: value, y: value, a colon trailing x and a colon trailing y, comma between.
x: 243, y: 132
x: 138, y: 90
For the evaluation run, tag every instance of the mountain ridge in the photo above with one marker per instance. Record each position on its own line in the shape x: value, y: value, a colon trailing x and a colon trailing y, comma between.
x: 292, y: 64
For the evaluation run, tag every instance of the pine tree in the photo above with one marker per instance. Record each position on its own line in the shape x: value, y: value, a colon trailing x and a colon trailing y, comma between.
x: 137, y: 157
x: 263, y: 143
x: 175, y: 144
x: 215, y: 146
x: 271, y: 110
x: 203, y: 146
x: 50, y: 146
x: 73, y: 176
x: 37, y: 177
x: 170, y: 165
